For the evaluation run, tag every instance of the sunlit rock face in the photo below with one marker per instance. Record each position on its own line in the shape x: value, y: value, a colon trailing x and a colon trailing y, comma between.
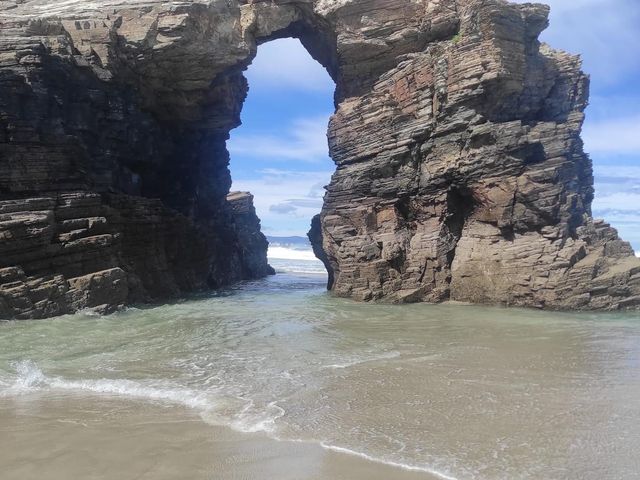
x: 460, y: 170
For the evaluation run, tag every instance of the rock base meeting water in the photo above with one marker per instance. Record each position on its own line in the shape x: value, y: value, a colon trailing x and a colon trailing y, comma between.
x: 277, y: 379
x: 460, y: 170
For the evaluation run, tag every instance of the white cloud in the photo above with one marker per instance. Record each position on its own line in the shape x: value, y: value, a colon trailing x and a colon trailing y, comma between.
x: 616, y: 135
x: 621, y: 211
x: 304, y: 140
x: 285, y: 63
x: 621, y: 202
x: 617, y: 180
x: 604, y: 32
x: 282, y: 208
x: 286, y: 200
x: 619, y: 172
x: 617, y: 193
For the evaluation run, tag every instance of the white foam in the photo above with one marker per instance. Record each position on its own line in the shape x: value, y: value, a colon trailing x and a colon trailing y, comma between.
x: 360, y: 361
x: 404, y: 466
x: 284, y: 253
x: 252, y: 421
x: 301, y: 269
x: 90, y: 312
x: 291, y: 260
x: 131, y: 389
x: 30, y: 378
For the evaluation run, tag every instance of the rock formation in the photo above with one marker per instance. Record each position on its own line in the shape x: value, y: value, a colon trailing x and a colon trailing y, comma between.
x: 460, y: 170
x: 251, y: 242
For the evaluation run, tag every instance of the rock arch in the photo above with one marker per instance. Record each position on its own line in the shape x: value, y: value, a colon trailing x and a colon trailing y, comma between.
x: 113, y: 169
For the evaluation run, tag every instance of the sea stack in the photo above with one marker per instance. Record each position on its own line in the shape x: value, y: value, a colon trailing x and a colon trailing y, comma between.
x: 460, y: 175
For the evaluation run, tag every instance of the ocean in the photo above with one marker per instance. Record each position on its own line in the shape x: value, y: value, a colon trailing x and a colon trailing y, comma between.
x: 277, y: 379
x: 294, y: 258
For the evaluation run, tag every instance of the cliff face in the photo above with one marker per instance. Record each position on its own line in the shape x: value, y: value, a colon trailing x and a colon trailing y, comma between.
x: 251, y: 242
x: 460, y: 170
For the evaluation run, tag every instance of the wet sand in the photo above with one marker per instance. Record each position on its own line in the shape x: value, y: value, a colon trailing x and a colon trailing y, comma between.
x: 465, y: 392
x: 64, y: 437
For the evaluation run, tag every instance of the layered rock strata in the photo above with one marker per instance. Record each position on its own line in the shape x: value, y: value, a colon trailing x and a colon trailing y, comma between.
x: 64, y: 252
x: 252, y: 243
x: 460, y: 170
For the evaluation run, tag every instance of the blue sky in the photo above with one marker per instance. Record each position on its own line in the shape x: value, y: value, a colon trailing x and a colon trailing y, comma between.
x: 280, y: 151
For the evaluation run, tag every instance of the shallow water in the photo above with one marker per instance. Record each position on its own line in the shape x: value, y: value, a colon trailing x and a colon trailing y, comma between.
x: 458, y: 391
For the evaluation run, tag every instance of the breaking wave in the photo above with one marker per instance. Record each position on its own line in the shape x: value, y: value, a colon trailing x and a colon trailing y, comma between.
x: 285, y: 253
x: 29, y: 378
x: 291, y: 260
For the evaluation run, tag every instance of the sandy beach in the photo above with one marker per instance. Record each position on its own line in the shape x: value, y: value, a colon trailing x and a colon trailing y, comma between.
x: 66, y: 437
x: 211, y: 387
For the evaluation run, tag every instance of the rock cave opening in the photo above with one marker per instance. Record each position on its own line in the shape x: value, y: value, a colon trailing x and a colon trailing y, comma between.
x: 461, y: 203
x: 280, y: 153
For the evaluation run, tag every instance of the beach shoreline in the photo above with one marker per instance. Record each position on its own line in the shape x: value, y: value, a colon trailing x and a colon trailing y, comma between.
x: 62, y: 436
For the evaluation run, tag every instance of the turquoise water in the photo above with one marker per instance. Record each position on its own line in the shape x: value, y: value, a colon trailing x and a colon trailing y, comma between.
x: 454, y: 390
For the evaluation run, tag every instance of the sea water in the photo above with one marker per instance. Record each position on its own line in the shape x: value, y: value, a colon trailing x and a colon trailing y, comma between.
x: 454, y: 391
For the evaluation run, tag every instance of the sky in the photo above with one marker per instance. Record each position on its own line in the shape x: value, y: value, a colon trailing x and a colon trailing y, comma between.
x: 280, y: 152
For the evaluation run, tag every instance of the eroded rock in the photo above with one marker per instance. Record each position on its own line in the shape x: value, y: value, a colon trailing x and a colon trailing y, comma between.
x: 252, y: 242
x: 460, y: 170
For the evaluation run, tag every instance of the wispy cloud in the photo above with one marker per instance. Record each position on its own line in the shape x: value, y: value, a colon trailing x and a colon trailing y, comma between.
x: 622, y: 202
x: 618, y: 200
x: 617, y: 192
x: 616, y: 136
x: 611, y: 183
x: 286, y: 200
x: 282, y: 208
x: 304, y: 140
x: 285, y: 64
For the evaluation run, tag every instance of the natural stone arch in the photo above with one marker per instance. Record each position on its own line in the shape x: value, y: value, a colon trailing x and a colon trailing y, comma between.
x: 460, y: 170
